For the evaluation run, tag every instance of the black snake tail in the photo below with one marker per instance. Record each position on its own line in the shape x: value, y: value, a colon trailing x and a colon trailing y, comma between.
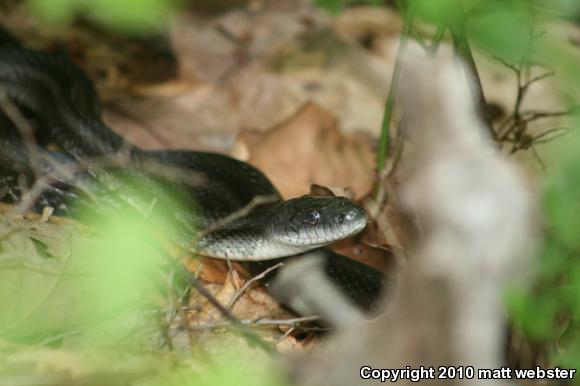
x: 8, y: 40
x: 358, y: 282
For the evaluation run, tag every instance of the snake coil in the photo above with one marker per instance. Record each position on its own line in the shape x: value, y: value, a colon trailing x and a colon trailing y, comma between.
x: 64, y: 105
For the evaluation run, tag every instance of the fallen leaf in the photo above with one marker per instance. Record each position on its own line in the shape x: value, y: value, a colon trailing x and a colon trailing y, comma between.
x: 331, y: 191
x: 253, y: 304
x: 361, y: 248
x: 309, y: 148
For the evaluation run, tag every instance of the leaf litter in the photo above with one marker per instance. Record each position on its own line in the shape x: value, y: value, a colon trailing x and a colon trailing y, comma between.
x: 296, y: 95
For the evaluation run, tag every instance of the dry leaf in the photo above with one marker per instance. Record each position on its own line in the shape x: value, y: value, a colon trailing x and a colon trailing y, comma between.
x: 331, y: 191
x: 377, y: 256
x: 309, y: 148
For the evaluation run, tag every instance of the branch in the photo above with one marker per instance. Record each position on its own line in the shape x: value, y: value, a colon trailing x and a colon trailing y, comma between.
x: 294, y: 286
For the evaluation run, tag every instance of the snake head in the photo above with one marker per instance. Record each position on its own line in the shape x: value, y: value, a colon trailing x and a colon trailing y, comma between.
x: 310, y: 222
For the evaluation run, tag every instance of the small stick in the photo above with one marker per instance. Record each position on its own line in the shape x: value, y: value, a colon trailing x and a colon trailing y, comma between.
x: 294, y: 322
x: 248, y: 335
x: 248, y: 283
x: 25, y: 129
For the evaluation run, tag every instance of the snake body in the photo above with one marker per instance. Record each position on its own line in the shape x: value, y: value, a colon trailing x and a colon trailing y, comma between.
x: 63, y: 103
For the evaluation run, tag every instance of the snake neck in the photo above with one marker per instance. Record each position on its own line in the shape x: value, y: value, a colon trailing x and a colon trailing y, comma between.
x: 247, y: 238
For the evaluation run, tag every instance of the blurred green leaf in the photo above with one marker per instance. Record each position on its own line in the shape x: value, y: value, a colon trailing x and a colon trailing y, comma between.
x: 131, y: 16
x: 332, y: 6
x: 503, y: 29
x: 435, y: 12
x: 126, y: 271
x: 57, y: 10
x: 561, y: 197
x: 336, y: 6
x: 40, y: 296
x: 87, y: 282
x: 552, y: 306
x: 535, y: 316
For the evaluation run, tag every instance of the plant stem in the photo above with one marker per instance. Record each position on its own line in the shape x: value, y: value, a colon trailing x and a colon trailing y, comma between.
x: 439, y: 35
x: 384, y: 138
x: 456, y: 24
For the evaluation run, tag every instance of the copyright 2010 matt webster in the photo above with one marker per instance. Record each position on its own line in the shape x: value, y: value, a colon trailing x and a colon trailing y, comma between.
x: 418, y: 374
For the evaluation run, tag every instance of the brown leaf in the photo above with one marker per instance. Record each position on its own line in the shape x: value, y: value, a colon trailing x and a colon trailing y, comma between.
x: 309, y: 148
x: 377, y: 256
x: 210, y: 270
x: 331, y: 191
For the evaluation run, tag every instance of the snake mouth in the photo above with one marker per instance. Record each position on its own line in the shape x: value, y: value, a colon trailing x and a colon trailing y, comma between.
x: 310, y: 222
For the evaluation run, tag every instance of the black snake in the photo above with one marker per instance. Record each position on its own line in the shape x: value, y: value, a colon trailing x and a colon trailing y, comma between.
x: 61, y: 102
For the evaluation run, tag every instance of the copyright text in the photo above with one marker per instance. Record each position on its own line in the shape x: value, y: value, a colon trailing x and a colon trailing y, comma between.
x: 462, y: 372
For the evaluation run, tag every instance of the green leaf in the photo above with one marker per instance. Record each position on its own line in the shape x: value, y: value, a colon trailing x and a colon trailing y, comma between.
x: 503, y: 29
x: 435, y: 12
x: 130, y: 16
x: 332, y: 6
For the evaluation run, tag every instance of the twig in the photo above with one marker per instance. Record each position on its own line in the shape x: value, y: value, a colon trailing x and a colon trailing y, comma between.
x: 507, y: 64
x: 514, y: 128
x: 248, y: 283
x: 294, y: 322
x: 25, y: 129
x: 516, y: 125
x: 535, y: 115
x: 527, y: 141
x: 523, y: 87
x: 286, y: 334
x: 560, y: 130
x: 148, y: 128
x: 538, y: 158
x: 65, y: 173
x: 249, y: 335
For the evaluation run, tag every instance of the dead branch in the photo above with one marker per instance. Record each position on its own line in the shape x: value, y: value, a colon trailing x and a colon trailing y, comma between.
x: 294, y: 286
x: 514, y: 129
x: 475, y: 216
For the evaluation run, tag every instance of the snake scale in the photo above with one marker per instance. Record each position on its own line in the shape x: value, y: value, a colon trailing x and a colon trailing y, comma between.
x: 216, y: 211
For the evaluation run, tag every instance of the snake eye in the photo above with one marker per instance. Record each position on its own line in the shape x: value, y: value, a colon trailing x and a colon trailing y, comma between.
x: 313, y: 217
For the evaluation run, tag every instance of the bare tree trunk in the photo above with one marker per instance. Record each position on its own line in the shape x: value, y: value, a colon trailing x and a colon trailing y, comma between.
x: 475, y: 221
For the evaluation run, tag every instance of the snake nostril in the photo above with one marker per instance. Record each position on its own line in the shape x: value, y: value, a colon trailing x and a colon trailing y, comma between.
x: 340, y: 218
